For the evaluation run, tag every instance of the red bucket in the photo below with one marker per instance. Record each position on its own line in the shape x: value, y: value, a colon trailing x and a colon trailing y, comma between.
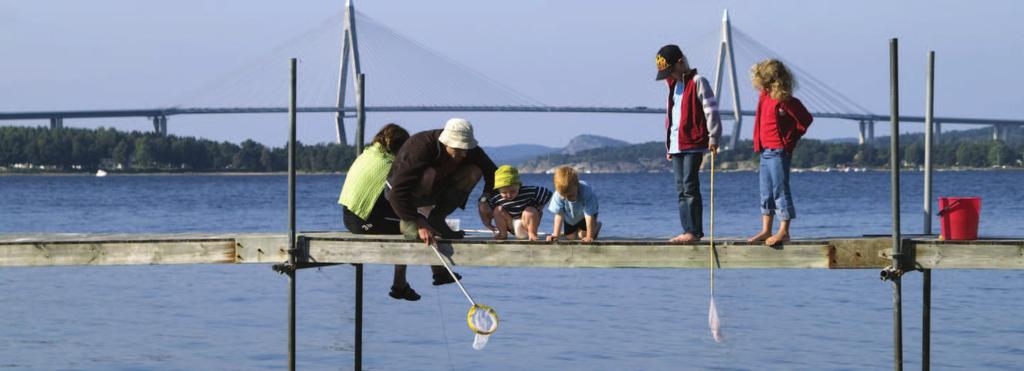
x: 959, y: 217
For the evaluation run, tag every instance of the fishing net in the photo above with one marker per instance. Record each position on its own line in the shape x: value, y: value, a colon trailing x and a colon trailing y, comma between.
x: 483, y: 321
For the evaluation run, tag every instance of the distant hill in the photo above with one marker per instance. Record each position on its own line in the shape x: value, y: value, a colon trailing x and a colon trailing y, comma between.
x: 517, y: 153
x: 520, y: 153
x: 587, y: 142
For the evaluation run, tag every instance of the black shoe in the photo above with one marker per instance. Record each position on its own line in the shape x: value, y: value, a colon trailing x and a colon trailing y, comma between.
x: 406, y: 293
x: 444, y: 231
x: 445, y: 279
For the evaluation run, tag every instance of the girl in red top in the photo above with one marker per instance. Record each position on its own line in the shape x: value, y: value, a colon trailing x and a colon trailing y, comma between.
x: 778, y: 125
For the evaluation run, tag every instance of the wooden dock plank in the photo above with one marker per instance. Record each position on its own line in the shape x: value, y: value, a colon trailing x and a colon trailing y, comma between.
x: 337, y: 247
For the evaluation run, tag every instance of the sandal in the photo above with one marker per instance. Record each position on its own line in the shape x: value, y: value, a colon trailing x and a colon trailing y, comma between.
x: 406, y: 293
x: 445, y: 279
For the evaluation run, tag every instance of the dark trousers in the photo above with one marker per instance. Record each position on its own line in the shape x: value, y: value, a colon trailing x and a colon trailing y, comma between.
x: 686, y: 167
x: 382, y: 219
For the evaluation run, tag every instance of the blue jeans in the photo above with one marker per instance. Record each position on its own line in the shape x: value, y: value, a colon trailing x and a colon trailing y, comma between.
x: 774, y: 178
x: 686, y: 166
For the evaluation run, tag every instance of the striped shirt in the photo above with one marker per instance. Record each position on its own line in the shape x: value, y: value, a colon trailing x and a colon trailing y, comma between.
x: 534, y: 196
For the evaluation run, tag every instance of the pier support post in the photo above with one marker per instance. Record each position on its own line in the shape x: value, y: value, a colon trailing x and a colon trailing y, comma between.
x: 358, y: 348
x: 897, y: 251
x: 292, y: 251
x: 926, y: 286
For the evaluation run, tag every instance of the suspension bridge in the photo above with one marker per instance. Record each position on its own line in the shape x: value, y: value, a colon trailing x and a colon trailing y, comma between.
x: 451, y: 86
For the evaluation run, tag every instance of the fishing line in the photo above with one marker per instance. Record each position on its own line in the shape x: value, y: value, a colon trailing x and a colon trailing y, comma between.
x: 444, y: 329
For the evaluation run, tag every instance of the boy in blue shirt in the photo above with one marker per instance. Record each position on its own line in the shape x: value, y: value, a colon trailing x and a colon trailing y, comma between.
x: 574, y: 206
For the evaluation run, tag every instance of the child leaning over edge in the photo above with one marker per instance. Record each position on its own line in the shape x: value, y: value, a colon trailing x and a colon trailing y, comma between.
x: 517, y: 208
x: 779, y: 123
x: 574, y: 206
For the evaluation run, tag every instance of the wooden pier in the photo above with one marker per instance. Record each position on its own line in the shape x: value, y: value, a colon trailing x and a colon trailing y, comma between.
x: 336, y: 248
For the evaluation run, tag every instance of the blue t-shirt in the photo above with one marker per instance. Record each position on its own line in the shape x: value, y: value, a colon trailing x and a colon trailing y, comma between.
x: 573, y: 211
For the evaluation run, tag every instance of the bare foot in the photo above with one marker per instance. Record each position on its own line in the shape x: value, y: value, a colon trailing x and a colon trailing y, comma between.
x: 685, y: 237
x: 763, y: 235
x: 777, y: 239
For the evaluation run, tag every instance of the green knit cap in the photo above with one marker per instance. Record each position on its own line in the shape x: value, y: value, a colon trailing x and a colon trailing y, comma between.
x: 505, y: 176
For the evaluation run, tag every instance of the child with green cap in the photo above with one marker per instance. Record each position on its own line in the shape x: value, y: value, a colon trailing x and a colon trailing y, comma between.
x: 517, y: 208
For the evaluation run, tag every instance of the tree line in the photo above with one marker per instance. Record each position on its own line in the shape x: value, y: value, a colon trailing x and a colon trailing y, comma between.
x: 71, y: 149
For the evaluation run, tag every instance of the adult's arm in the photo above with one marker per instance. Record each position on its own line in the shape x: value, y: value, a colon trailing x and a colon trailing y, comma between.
x: 478, y: 157
x: 411, y: 162
x: 710, y: 104
x: 801, y: 117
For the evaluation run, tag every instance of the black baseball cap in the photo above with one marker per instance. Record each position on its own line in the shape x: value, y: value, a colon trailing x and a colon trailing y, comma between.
x: 668, y: 55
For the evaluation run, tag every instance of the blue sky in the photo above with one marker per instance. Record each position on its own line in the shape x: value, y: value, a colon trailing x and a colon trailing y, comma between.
x: 130, y: 54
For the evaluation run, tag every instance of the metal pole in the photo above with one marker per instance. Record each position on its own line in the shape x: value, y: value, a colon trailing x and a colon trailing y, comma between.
x: 928, y: 132
x: 291, y: 218
x: 926, y: 310
x: 360, y: 111
x: 894, y: 161
x: 359, y: 318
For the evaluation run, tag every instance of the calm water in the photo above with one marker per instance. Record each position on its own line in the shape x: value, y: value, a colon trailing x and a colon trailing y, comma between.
x: 234, y: 317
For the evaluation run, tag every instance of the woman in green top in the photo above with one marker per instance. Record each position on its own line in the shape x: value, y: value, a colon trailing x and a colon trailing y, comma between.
x: 362, y: 201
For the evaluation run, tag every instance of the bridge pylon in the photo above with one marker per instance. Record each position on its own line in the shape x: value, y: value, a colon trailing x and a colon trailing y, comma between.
x: 349, y: 54
x: 725, y: 50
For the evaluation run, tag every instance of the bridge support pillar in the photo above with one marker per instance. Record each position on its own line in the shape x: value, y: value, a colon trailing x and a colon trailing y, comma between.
x: 937, y: 132
x: 997, y: 132
x: 160, y: 125
x: 871, y: 131
x: 862, y: 133
x: 56, y: 123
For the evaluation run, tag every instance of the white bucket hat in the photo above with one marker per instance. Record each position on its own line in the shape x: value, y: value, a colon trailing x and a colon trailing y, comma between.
x: 458, y: 133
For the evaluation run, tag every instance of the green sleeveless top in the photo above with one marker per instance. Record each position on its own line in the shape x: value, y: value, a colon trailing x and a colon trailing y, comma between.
x: 365, y: 180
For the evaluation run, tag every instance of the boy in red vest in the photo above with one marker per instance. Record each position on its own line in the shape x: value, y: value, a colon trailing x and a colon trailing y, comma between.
x: 692, y: 128
x: 778, y: 125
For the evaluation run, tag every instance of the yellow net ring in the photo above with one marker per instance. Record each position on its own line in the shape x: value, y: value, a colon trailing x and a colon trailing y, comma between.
x: 487, y: 311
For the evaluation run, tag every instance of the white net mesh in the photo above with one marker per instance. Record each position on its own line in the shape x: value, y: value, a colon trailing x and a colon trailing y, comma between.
x: 483, y: 320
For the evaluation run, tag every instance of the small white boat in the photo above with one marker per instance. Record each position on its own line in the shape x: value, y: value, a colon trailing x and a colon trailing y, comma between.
x: 101, y: 173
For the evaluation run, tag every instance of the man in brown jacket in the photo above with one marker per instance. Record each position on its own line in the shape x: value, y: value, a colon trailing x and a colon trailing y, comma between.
x: 433, y: 174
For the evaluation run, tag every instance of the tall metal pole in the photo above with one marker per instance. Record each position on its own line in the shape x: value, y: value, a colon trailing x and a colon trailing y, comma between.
x: 894, y: 162
x: 737, y: 115
x: 360, y: 112
x: 928, y: 132
x: 926, y: 309
x: 291, y: 218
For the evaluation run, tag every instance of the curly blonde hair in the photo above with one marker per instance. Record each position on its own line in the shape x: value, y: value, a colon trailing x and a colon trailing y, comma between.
x: 773, y: 76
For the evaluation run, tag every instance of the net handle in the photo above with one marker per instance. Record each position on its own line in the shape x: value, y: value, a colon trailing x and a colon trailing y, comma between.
x: 711, y: 248
x: 452, y: 273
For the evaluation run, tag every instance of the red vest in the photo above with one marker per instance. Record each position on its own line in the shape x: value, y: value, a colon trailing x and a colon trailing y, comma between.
x: 779, y: 124
x: 693, y: 130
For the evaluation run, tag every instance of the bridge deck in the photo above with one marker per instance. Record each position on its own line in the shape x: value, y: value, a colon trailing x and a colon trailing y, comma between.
x: 328, y: 247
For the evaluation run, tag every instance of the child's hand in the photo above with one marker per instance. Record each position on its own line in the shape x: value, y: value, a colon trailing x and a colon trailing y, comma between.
x: 552, y: 238
x: 587, y: 239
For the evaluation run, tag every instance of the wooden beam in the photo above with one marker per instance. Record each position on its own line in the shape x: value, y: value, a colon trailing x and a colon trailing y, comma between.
x: 271, y: 248
x: 602, y: 254
x: 117, y: 252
